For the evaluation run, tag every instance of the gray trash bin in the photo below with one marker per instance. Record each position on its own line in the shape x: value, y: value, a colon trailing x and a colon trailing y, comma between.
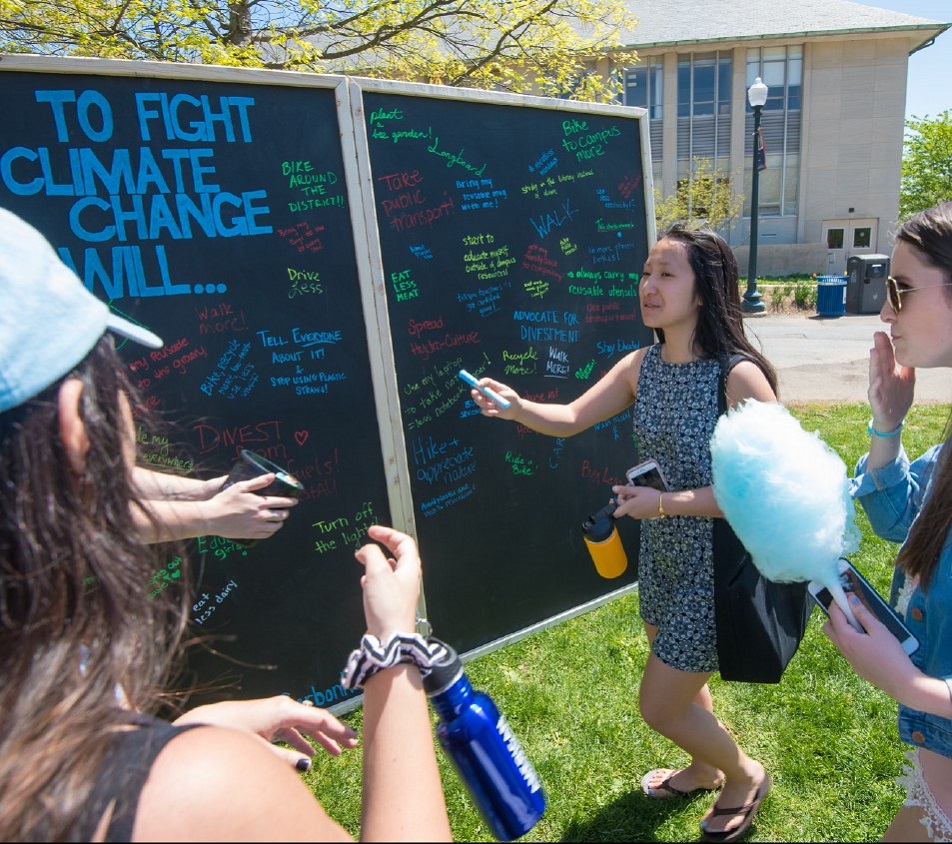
x: 866, y: 283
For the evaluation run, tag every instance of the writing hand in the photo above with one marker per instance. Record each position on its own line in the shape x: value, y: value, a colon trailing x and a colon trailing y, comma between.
x: 391, y: 585
x: 488, y: 407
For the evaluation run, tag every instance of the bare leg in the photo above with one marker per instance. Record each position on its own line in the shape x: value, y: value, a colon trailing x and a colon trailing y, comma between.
x: 906, y: 826
x: 669, y: 705
x: 697, y: 774
x: 927, y: 777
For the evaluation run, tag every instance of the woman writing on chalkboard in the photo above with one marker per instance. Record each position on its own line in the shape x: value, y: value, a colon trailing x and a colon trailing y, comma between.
x: 86, y: 653
x: 688, y: 294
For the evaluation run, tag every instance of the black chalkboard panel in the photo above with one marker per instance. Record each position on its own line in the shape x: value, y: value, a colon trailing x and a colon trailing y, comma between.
x: 513, y: 231
x: 216, y: 212
x: 322, y: 255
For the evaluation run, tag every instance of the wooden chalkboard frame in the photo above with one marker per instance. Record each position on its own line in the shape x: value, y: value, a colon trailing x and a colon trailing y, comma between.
x: 350, y: 94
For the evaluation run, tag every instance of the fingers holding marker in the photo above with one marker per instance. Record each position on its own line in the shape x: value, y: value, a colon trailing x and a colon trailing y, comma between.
x: 486, y: 391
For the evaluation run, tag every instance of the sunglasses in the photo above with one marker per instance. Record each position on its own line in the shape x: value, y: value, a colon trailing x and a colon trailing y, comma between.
x: 895, y: 294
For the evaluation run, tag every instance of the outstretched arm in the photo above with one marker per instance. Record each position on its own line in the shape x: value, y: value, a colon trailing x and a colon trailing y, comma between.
x: 182, y: 508
x: 162, y: 486
x: 608, y: 396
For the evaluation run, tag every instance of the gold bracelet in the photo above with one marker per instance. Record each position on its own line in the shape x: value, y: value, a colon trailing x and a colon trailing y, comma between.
x: 660, y: 508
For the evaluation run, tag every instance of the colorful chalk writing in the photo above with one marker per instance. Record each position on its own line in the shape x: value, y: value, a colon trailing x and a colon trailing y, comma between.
x: 343, y: 531
x: 165, y: 577
x: 220, y: 547
x: 534, y: 226
x: 155, y: 450
x: 304, y: 237
x: 208, y: 603
x: 498, y: 234
x: 218, y: 214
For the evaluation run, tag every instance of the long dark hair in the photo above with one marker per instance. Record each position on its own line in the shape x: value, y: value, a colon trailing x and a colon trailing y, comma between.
x: 720, y: 324
x: 77, y: 628
x: 930, y: 233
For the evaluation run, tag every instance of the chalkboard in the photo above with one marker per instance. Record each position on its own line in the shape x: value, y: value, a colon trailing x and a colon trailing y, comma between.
x: 512, y: 231
x: 321, y: 256
x: 217, y: 214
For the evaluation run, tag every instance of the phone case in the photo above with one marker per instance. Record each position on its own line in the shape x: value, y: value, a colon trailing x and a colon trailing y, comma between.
x: 648, y: 473
x: 872, y: 600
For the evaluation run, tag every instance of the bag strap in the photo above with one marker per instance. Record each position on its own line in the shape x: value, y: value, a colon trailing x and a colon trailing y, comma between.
x: 727, y: 364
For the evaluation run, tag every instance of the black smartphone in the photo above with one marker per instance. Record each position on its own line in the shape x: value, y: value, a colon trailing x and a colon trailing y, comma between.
x: 853, y: 581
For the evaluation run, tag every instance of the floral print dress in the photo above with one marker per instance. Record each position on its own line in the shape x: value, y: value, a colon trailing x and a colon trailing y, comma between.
x: 676, y: 410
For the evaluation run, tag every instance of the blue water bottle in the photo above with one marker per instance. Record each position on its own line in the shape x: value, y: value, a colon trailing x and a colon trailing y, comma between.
x: 484, y: 751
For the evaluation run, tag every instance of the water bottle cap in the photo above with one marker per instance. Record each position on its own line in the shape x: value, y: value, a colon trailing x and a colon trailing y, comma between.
x: 445, y: 671
x: 599, y: 526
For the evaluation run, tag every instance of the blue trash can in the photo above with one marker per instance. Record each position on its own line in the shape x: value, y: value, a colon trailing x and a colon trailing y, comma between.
x: 831, y: 295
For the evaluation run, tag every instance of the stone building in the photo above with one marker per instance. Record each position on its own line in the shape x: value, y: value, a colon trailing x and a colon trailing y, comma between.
x: 833, y: 124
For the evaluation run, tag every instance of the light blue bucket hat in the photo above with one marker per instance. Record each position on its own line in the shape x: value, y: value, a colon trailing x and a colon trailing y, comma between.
x: 49, y: 321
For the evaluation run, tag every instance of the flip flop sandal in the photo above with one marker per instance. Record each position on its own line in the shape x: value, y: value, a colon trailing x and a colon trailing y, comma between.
x: 664, y: 790
x: 748, y: 810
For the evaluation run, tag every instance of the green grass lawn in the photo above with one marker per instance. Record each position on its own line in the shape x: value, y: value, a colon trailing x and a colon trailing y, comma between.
x: 570, y: 693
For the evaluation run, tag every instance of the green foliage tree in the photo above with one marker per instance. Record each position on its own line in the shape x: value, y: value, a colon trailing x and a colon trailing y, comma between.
x: 538, y: 46
x: 704, y: 197
x: 926, y: 164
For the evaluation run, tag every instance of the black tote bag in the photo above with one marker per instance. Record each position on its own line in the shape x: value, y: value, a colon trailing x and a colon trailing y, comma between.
x: 760, y: 623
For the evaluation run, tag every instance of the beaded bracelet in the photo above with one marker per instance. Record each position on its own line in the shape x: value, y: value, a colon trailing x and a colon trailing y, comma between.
x: 373, y: 656
x: 884, y: 435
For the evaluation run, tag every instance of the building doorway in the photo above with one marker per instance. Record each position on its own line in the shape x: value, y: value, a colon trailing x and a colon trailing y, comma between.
x: 845, y: 238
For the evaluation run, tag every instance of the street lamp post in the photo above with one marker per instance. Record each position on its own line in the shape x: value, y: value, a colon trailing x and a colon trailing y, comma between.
x: 756, y: 96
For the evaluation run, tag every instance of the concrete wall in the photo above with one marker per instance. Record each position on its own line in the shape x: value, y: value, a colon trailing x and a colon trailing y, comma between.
x: 854, y: 103
x: 785, y: 259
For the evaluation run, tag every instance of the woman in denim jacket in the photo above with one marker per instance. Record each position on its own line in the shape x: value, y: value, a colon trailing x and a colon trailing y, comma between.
x: 911, y: 503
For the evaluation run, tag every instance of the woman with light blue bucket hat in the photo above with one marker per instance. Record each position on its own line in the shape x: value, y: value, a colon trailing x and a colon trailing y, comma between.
x: 182, y: 507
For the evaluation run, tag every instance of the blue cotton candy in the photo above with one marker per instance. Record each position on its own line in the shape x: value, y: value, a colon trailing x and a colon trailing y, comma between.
x: 785, y: 493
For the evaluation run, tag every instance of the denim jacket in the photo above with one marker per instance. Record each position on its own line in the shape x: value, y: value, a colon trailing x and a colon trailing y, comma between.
x: 892, y: 496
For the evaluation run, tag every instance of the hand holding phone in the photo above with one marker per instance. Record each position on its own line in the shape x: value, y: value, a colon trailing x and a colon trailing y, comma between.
x: 853, y: 582
x: 648, y: 473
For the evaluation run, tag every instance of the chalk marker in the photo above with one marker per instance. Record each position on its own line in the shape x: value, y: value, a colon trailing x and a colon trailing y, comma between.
x: 492, y: 394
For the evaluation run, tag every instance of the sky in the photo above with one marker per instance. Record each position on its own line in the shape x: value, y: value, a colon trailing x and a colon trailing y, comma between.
x: 928, y: 91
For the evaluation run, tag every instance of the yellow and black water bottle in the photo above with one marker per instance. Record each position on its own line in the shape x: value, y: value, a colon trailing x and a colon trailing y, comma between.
x: 604, y: 543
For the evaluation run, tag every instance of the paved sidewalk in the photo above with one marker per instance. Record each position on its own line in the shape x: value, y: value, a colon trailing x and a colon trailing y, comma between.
x: 827, y: 358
